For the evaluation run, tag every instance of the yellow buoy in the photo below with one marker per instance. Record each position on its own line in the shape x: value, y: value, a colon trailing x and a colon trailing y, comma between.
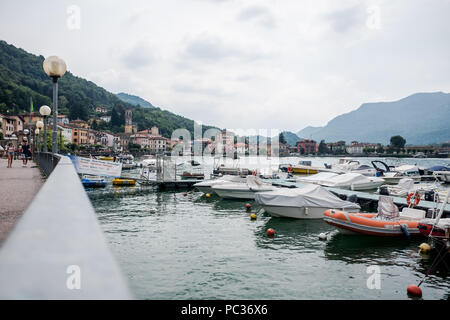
x: 207, y: 195
x: 253, y: 216
x: 425, y: 247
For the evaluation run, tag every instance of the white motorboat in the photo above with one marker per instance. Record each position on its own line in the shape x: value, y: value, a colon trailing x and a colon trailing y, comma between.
x: 308, y: 202
x: 405, y: 171
x: 354, y: 181
x: 206, y: 186
x: 149, y: 161
x: 246, y: 190
x: 365, y: 170
x: 405, y: 186
x: 345, y: 165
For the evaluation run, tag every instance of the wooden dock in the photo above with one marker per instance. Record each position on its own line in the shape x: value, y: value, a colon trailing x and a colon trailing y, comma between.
x: 399, y: 201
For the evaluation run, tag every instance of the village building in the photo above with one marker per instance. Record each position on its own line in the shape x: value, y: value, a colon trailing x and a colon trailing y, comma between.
x: 358, y: 147
x: 100, y: 109
x: 309, y: 146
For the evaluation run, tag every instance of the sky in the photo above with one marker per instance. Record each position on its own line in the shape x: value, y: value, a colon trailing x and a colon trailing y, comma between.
x: 265, y: 64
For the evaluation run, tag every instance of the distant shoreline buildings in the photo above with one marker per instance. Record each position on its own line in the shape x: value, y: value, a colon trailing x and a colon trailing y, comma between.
x: 80, y: 134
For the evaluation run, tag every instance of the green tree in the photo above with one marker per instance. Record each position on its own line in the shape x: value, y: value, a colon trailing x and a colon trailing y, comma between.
x: 323, y: 149
x: 397, y: 142
x: 281, y: 138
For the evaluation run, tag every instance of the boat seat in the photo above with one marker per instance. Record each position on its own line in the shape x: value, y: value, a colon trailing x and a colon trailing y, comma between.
x: 413, y: 214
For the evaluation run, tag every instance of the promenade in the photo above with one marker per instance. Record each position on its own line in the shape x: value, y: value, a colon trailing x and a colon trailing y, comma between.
x: 18, y: 186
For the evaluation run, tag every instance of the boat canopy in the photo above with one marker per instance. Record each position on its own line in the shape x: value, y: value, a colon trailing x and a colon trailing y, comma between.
x: 255, y: 183
x: 407, y: 169
x: 318, y: 178
x: 406, y: 184
x: 349, y: 179
x: 307, y: 196
x: 438, y: 168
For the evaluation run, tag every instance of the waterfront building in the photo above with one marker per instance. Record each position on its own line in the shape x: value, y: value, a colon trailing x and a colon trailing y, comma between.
x: 309, y: 146
x: 358, y: 147
x: 11, y: 124
x: 337, y: 147
x: 80, y: 135
x: 66, y: 132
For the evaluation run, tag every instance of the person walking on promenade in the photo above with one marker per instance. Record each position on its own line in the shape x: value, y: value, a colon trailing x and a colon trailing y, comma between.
x: 25, y: 152
x: 10, y: 151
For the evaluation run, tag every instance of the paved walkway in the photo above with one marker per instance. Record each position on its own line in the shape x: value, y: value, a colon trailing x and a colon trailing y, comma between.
x: 18, y: 186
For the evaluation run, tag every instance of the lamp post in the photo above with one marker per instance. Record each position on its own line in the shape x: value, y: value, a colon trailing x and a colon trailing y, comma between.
x: 55, y: 68
x: 45, y: 112
x: 36, y: 140
x: 39, y: 126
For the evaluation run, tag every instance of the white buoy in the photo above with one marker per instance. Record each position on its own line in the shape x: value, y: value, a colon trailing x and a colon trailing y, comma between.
x: 323, y: 236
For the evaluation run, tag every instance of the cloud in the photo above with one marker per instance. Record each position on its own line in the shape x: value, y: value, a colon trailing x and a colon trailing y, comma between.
x: 344, y: 20
x: 210, y: 48
x: 139, y: 56
x: 198, y: 89
x: 259, y: 14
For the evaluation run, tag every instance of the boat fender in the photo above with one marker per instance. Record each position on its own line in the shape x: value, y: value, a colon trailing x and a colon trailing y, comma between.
x: 404, y: 229
x: 306, y: 211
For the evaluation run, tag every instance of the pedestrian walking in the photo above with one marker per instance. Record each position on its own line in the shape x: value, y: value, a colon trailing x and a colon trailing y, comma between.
x: 25, y: 152
x: 10, y: 151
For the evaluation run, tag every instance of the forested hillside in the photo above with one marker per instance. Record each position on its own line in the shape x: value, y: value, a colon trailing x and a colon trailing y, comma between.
x: 22, y: 77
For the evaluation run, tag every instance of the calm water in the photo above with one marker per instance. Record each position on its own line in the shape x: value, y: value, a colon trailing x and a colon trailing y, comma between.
x: 173, y: 246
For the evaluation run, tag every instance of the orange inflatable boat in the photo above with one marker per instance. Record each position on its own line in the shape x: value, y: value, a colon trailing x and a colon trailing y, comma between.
x: 366, y: 223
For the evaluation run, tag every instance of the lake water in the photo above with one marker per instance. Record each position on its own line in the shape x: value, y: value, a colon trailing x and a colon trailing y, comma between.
x: 176, y: 246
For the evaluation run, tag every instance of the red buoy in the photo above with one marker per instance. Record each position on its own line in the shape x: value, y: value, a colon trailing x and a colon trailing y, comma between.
x: 248, y: 205
x: 414, y: 290
x: 270, y: 232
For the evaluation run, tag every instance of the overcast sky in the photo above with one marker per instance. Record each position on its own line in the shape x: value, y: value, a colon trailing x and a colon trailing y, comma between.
x: 279, y: 64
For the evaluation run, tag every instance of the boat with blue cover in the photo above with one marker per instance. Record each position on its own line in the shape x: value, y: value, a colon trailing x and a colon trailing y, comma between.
x: 90, y: 181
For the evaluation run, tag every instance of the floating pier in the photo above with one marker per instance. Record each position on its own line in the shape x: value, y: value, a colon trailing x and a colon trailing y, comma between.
x: 399, y: 201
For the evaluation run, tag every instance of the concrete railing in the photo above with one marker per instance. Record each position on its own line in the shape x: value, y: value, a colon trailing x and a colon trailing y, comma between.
x: 57, y: 250
x: 46, y: 161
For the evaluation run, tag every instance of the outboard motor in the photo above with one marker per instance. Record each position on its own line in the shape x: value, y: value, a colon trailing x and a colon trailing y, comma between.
x: 352, y: 198
x: 384, y: 191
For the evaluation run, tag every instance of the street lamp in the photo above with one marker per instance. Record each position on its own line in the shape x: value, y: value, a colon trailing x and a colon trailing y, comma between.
x: 36, y: 134
x: 55, y: 68
x: 45, y: 112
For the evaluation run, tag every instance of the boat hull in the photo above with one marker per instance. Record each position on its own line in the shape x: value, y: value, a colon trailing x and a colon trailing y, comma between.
x: 123, y: 182
x: 364, y: 224
x: 295, y: 212
x: 235, y: 194
x: 304, y: 170
x: 205, y: 189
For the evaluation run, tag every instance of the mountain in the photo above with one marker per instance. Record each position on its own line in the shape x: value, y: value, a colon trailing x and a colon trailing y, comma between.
x: 134, y: 100
x: 291, y: 138
x: 22, y: 77
x: 422, y: 118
